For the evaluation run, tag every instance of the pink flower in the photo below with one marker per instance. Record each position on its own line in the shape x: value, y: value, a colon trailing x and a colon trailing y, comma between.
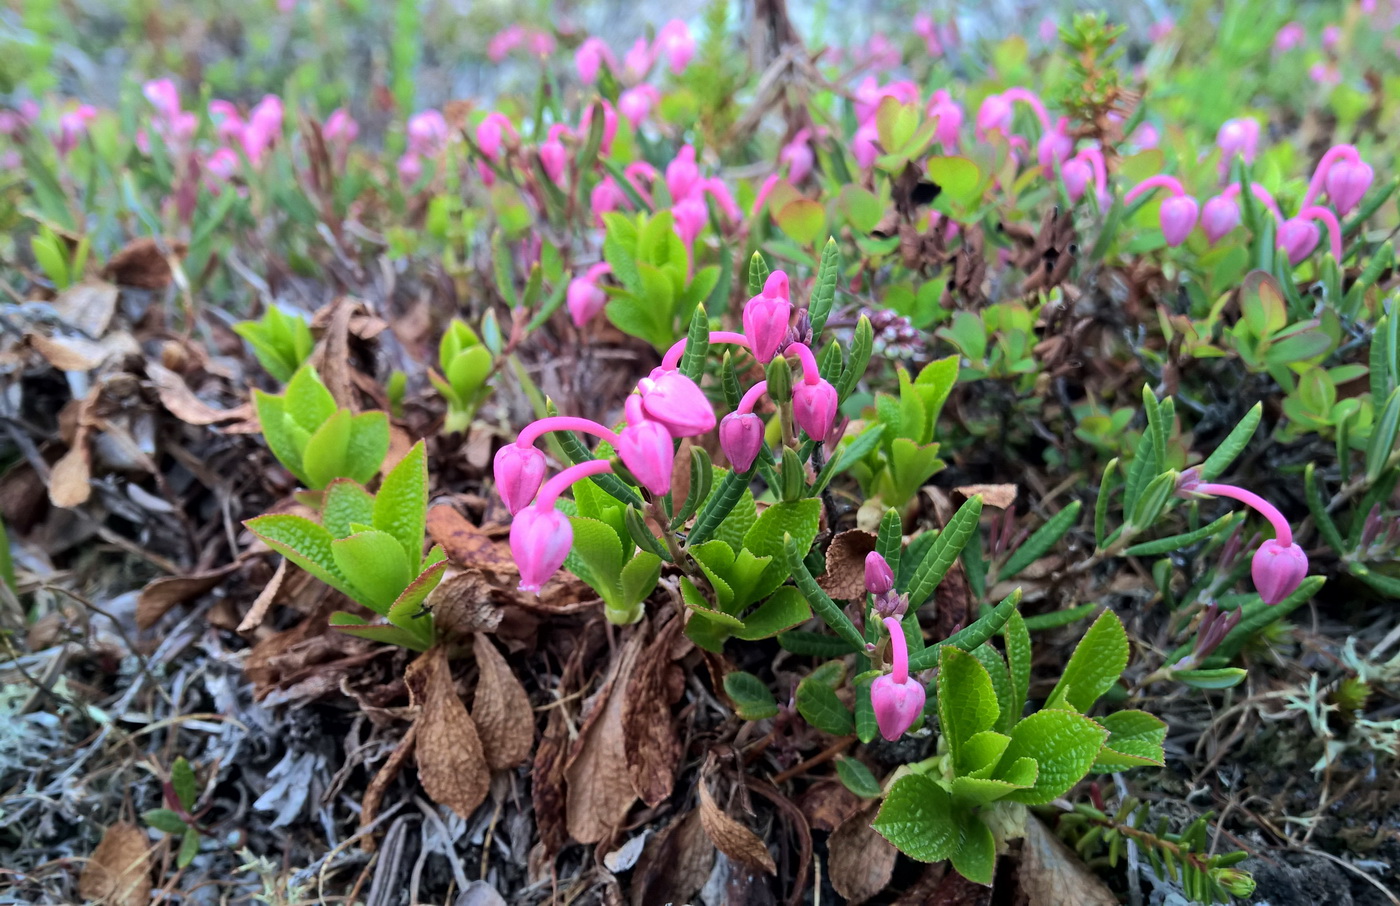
x: 677, y: 43
x: 590, y: 57
x: 950, y: 119
x: 519, y: 471
x: 870, y: 93
x: 1289, y: 37
x: 682, y: 174
x: 222, y: 164
x: 675, y: 401
x: 1049, y: 30
x: 898, y: 700
x: 925, y: 28
x: 1145, y: 136
x: 1325, y: 74
x: 716, y: 189
x: 340, y: 128
x: 227, y: 121
x: 994, y: 114
x: 741, y: 437
x: 554, y: 157
x: 1239, y: 136
x: 1219, y: 216
x: 1178, y: 218
x: 164, y: 96
x: 1161, y: 29
x: 606, y: 196
x: 263, y: 128
x: 1331, y: 36
x: 1278, y: 570
x: 584, y: 297
x: 1298, y: 238
x: 541, y: 43
x: 72, y: 126
x: 797, y: 155
x: 866, y: 145
x: 540, y: 540
x: 637, y: 62
x: 427, y: 133
x: 506, y: 40
x: 648, y: 452
x: 766, y: 318
x: 1055, y: 146
x: 410, y: 170
x: 1076, y: 175
x: 814, y: 407
x: 690, y: 216
x: 635, y: 103
x: 879, y: 578
x: 1347, y: 184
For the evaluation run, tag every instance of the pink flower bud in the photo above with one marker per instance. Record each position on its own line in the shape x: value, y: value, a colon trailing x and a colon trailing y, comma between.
x: 636, y: 63
x: 648, y: 452
x: 897, y: 706
x: 995, y: 113
x: 950, y: 119
x: 741, y: 437
x: 503, y: 42
x: 554, y: 157
x: 1347, y: 183
x: 675, y: 401
x: 766, y: 318
x: 519, y: 472
x: 690, y: 216
x: 1055, y: 146
x: 541, y: 43
x: 410, y: 170
x: 1218, y: 217
x: 677, y: 44
x: 635, y: 104
x: 1298, y: 238
x: 606, y: 196
x: 865, y: 145
x: 1161, y: 29
x: 879, y: 578
x: 797, y: 155
x: 720, y: 193
x: 814, y: 407
x: 1178, y: 218
x: 222, y: 164
x: 777, y: 286
x: 164, y: 96
x: 585, y: 300
x: 1238, y: 137
x: 490, y: 134
x: 1278, y: 570
x: 1289, y: 37
x: 72, y: 126
x: 1076, y: 174
x: 1331, y: 37
x: 682, y: 174
x: 539, y: 543
x: 340, y: 128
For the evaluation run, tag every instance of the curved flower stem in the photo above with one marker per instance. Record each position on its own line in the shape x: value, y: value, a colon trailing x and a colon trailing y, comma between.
x: 1329, y: 220
x: 1319, y: 177
x: 561, y: 482
x: 1160, y: 181
x: 1032, y: 100
x: 810, y: 372
x: 1095, y: 158
x: 672, y: 359
x: 537, y: 429
x: 751, y: 398
x: 1282, y: 531
x: 1261, y: 193
x: 899, y: 651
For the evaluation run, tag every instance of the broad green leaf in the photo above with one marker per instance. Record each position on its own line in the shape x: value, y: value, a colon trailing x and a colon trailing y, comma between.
x: 597, y: 545
x: 945, y: 550
x: 164, y: 820
x: 1041, y: 540
x: 1134, y: 738
x: 802, y: 219
x: 976, y: 856
x: 305, y: 543
x: 468, y: 371
x: 784, y: 609
x: 958, y: 177
x: 798, y: 518
x: 995, y: 666
x: 857, y: 777
x: 324, y: 456
x: 407, y: 609
x: 308, y: 402
x: 917, y: 817
x: 981, y: 753
x: 401, y: 506
x: 183, y: 780
x: 1063, y: 744
x: 375, y: 564
x: 752, y: 700
x: 343, y: 503
x: 276, y: 431
x: 819, y: 706
x: 967, y: 702
x: 639, y: 576
x: 1098, y: 660
x: 368, y: 445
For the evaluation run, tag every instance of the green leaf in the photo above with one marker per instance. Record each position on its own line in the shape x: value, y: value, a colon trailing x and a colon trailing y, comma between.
x: 345, y: 502
x: 407, y: 610
x: 1135, y: 738
x: 958, y: 177
x: 1098, y: 660
x: 308, y: 403
x: 1176, y: 542
x: 639, y: 576
x: 798, y: 518
x: 758, y: 274
x: 281, y: 440
x: 802, y: 219
x: 598, y: 546
x: 383, y: 633
x: 368, y: 445
x: 697, y: 345
x: 1381, y: 446
x: 1258, y: 615
x: 1057, y: 618
x: 819, y: 706
x: 702, y: 475
x: 857, y: 777
x: 183, y: 780
x: 1152, y: 501
x: 164, y: 820
x: 889, y: 540
x: 1063, y: 745
x: 945, y: 550
x: 824, y: 293
x: 831, y: 614
x: 783, y: 610
x: 324, y: 456
x: 976, y: 856
x: 305, y: 543
x: 375, y: 564
x: 1017, y: 637
x: 970, y: 637
x: 189, y: 848
x: 724, y: 502
x: 752, y: 700
x: 1318, y: 508
x: 1041, y: 540
x: 1101, y: 502
x: 862, y: 345
x: 917, y: 817
x: 967, y: 702
x: 401, y: 506
x: 1233, y: 444
x: 1216, y: 678
x: 813, y: 644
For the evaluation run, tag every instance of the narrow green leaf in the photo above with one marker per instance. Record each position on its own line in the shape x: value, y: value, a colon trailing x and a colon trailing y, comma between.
x: 1041, y: 540
x: 1057, y: 618
x: 577, y: 453
x: 1101, y: 503
x: 1016, y: 635
x: 889, y: 540
x: 1216, y: 678
x: 183, y: 780
x: 697, y: 345
x: 970, y: 637
x: 862, y: 345
x: 1318, y: 508
x: 1381, y: 446
x: 758, y: 274
x: 189, y: 848
x: 1152, y: 501
x: 824, y: 293
x: 1233, y: 444
x: 814, y: 644
x: 1176, y: 542
x: 164, y: 820
x: 945, y: 550
x: 827, y: 609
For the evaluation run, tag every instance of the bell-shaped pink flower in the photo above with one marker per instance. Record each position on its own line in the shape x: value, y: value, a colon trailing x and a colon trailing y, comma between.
x: 1331, y: 37
x: 741, y: 437
x: 1298, y: 238
x: 585, y: 300
x: 72, y: 126
x: 1178, y: 218
x: 589, y: 59
x: 949, y: 117
x: 606, y: 196
x: 995, y: 113
x: 716, y: 189
x: 690, y: 216
x: 866, y: 145
x: 1238, y: 137
x: 519, y: 472
x: 410, y: 170
x: 682, y: 174
x: 1219, y: 216
x: 1278, y: 570
x: 554, y: 158
x: 539, y: 543
x: 677, y: 43
x: 164, y: 96
x: 1289, y: 36
x: 1076, y: 174
x: 797, y: 155
x: 636, y: 63
x: 897, y: 706
x: 340, y: 128
x: 766, y: 318
x: 879, y: 578
x: 635, y: 103
x: 649, y: 453
x: 490, y: 134
x: 222, y: 165
x: 675, y: 401
x: 1055, y: 146
x: 814, y: 407
x: 1347, y: 184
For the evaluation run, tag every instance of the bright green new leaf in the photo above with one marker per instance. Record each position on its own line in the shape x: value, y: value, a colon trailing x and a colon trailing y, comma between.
x: 784, y: 609
x: 1135, y: 738
x: 1064, y: 746
x: 917, y: 817
x: 345, y: 503
x: 367, y: 446
x: 183, y: 780
x: 308, y: 402
x: 976, y: 856
x: 375, y: 565
x: 303, y: 542
x: 1098, y: 660
x: 324, y: 457
x: 401, y: 506
x: 967, y: 703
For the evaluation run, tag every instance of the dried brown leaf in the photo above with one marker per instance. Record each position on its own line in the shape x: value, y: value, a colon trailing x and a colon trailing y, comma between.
x: 955, y: 890
x: 653, y: 745
x: 263, y: 603
x: 70, y: 479
x: 1052, y: 874
x: 87, y: 306
x: 675, y: 864
x: 861, y: 861
x: 160, y: 595
x: 141, y: 263
x: 1000, y: 496
x: 176, y: 396
x: 119, y: 873
x: 462, y: 604
x: 332, y: 357
x: 922, y: 891
x: 733, y: 839
x: 844, y: 578
x: 504, y: 718
x: 68, y: 353
x: 827, y: 804
x: 547, y: 783
x: 467, y: 544
x: 599, y: 795
x: 451, y: 763
x: 374, y: 793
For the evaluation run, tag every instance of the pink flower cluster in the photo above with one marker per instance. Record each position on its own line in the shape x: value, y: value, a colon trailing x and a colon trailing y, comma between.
x: 941, y: 107
x: 538, y: 43
x: 673, y: 41
x: 666, y: 406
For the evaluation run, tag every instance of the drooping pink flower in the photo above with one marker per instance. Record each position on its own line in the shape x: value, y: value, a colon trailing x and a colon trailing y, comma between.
x: 897, y: 699
x: 410, y: 169
x: 540, y: 43
x: 741, y: 437
x: 590, y: 57
x: 72, y: 126
x: 635, y: 103
x: 766, y: 318
x: 1238, y: 137
x: 925, y: 28
x: 1055, y: 147
x: 675, y: 401
x: 866, y: 145
x: 606, y: 196
x: 264, y: 127
x: 1331, y: 37
x: 340, y: 128
x: 638, y: 60
x: 504, y: 41
x: 1289, y: 36
x: 814, y: 407
x: 647, y: 449
x: 540, y: 539
x: 690, y: 216
x: 222, y: 164
x: 1347, y: 183
x: 1076, y: 175
x: 677, y: 44
x: 584, y: 297
x: 1049, y: 30
x: 1325, y: 74
x: 427, y: 133
x: 554, y: 157
x: 682, y: 173
x: 1219, y: 216
x: 797, y: 156
x: 1178, y: 218
x: 164, y: 96
x: 519, y: 471
x: 609, y: 125
x: 1278, y: 570
x: 994, y: 114
x: 949, y: 117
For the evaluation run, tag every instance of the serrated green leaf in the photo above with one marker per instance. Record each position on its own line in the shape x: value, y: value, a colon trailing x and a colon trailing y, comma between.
x: 375, y: 565
x: 406, y: 611
x: 981, y: 753
x: 1098, y: 660
x: 639, y: 576
x: 824, y: 293
x: 597, y: 545
x: 857, y: 777
x: 1063, y: 745
x: 797, y: 518
x: 308, y: 403
x: 1041, y: 540
x: 1135, y: 738
x: 976, y: 856
x: 305, y: 543
x: 752, y: 700
x: 784, y: 609
x: 917, y: 817
x: 367, y: 446
x: 345, y: 502
x: 401, y: 506
x: 276, y: 431
x: 1017, y: 638
x: 967, y: 702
